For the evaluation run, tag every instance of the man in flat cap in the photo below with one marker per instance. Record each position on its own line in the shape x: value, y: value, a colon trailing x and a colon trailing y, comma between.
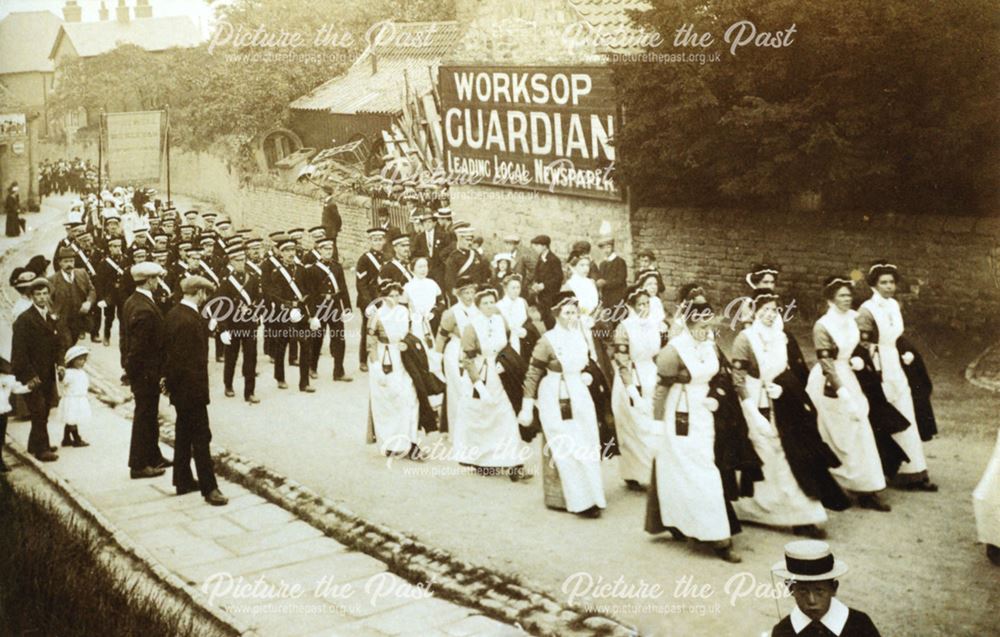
x: 185, y: 371
x: 73, y: 295
x: 36, y: 358
x: 141, y: 341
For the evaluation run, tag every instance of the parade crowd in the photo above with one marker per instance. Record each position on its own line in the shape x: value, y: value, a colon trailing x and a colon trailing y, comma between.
x: 490, y: 353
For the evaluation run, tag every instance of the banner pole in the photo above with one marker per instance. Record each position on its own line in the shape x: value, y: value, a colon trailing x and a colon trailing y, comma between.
x: 168, y: 153
x: 100, y: 155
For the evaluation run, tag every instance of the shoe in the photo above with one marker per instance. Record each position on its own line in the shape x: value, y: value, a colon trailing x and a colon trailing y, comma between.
x: 810, y: 530
x: 926, y: 486
x: 872, y: 501
x: 633, y: 485
x: 77, y: 440
x: 67, y: 440
x: 519, y: 474
x: 47, y: 456
x: 342, y: 378
x: 363, y: 368
x: 729, y: 555
x: 188, y: 488
x: 253, y: 400
x: 230, y: 393
x: 216, y: 499
x: 106, y: 341
x: 148, y: 472
x: 53, y: 449
x: 313, y: 375
x: 282, y: 384
x: 593, y: 512
x: 164, y: 463
x: 308, y: 389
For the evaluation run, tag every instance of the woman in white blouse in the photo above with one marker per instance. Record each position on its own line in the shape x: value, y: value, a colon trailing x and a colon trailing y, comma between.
x: 423, y: 294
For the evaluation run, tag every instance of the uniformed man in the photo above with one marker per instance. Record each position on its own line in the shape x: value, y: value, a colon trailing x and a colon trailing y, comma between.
x: 330, y: 301
x: 311, y: 256
x: 163, y: 294
x: 433, y: 243
x: 367, y: 273
x: 284, y: 287
x: 212, y: 273
x: 397, y: 269
x: 238, y: 327
x: 111, y: 284
x: 464, y: 260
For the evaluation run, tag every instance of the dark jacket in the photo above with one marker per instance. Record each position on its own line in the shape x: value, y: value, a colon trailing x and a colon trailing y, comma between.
x: 366, y: 272
x: 614, y: 273
x: 239, y: 312
x: 884, y: 418
x: 548, y: 271
x: 141, y: 339
x: 36, y: 348
x: 329, y: 289
x: 185, y: 364
x: 920, y: 388
x: 426, y: 384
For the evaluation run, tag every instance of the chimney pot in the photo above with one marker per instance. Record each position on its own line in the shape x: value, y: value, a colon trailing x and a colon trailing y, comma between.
x: 72, y: 11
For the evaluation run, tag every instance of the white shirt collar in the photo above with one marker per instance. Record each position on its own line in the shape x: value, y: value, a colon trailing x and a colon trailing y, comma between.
x: 612, y: 256
x: 834, y: 619
x: 146, y: 292
x: 191, y: 304
x: 41, y: 310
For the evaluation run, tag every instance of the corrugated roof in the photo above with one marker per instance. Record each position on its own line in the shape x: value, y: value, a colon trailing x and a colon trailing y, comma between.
x: 25, y: 41
x: 608, y: 14
x: 152, y: 34
x: 415, y: 47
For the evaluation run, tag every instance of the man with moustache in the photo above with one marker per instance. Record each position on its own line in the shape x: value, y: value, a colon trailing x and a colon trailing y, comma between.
x: 73, y: 295
x: 464, y: 261
x: 431, y: 242
x: 110, y: 285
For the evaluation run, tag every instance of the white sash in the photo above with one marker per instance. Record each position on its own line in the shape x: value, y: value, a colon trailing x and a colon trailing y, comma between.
x: 209, y: 272
x: 239, y: 288
x: 253, y: 266
x: 163, y: 284
x: 111, y: 262
x: 83, y: 257
x: 291, y: 282
x: 468, y: 262
x: 329, y: 275
x: 402, y: 268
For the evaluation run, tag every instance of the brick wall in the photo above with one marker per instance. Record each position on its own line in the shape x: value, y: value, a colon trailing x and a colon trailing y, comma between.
x: 949, y: 264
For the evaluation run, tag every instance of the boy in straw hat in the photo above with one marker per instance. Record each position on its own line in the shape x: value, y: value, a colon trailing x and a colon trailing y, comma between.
x: 811, y: 572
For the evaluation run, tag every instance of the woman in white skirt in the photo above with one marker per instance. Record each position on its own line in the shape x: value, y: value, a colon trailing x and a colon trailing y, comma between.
x: 584, y: 289
x: 454, y: 320
x: 636, y: 344
x: 423, y: 294
x: 760, y: 359
x: 841, y: 407
x: 687, y: 496
x: 392, y: 397
x: 986, y: 505
x: 881, y: 325
x: 489, y: 438
x: 557, y: 384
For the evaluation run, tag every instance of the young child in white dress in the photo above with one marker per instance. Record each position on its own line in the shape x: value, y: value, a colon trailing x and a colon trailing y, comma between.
x: 74, y: 405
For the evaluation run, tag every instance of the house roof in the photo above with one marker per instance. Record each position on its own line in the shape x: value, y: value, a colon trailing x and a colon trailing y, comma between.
x: 152, y: 34
x: 25, y: 41
x: 415, y: 49
x: 608, y: 14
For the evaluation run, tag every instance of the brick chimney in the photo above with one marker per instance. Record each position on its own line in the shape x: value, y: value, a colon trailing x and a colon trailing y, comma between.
x: 72, y: 11
x: 143, y: 9
x: 123, y: 13
x: 103, y: 13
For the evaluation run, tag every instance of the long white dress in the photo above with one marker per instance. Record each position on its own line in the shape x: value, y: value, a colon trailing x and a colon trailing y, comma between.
x: 632, y: 404
x: 589, y: 300
x: 575, y: 444
x: 515, y: 312
x: 688, y: 483
x: 450, y: 362
x: 423, y: 294
x: 393, y: 399
x: 74, y: 406
x: 852, y: 440
x: 894, y: 383
x: 777, y: 500
x: 986, y: 500
x: 488, y: 435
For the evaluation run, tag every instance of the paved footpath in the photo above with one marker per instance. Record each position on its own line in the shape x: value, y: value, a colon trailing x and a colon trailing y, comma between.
x: 250, y: 558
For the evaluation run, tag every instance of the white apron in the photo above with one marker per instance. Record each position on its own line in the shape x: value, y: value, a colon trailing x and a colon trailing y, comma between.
x: 632, y: 405
x: 515, y: 312
x: 852, y: 440
x: 894, y: 383
x: 688, y: 483
x: 575, y: 444
x: 452, y: 369
x: 423, y: 294
x: 777, y: 499
x: 489, y: 435
x: 393, y: 400
x: 986, y: 500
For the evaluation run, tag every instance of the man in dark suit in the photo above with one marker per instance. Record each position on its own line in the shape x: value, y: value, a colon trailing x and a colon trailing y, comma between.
x: 283, y: 286
x: 464, y: 260
x: 432, y: 242
x: 185, y: 371
x: 332, y: 221
x: 329, y: 302
x: 366, y: 282
x: 73, y: 295
x: 612, y: 280
x: 238, y: 325
x: 111, y: 284
x: 397, y: 269
x: 36, y: 355
x: 548, y: 277
x: 141, y: 343
x: 520, y: 262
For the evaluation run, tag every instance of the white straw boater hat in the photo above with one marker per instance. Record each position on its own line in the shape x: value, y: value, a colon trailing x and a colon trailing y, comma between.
x: 76, y: 352
x: 809, y: 561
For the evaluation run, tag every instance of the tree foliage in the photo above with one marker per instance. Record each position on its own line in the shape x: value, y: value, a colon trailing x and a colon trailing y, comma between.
x: 874, y: 104
x: 227, y: 93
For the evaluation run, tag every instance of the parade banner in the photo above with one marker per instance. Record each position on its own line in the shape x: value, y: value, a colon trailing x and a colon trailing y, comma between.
x: 541, y: 128
x: 134, y: 148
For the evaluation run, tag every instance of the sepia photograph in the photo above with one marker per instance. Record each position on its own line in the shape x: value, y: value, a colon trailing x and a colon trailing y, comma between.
x: 499, y: 318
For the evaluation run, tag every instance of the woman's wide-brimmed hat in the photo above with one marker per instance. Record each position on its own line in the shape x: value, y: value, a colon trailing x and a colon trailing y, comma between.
x: 76, y: 352
x: 809, y: 561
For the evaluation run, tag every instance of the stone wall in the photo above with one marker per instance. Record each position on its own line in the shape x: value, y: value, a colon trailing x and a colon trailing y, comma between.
x: 950, y: 264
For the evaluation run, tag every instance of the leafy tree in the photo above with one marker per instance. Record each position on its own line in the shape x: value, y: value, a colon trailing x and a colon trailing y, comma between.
x: 874, y: 104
